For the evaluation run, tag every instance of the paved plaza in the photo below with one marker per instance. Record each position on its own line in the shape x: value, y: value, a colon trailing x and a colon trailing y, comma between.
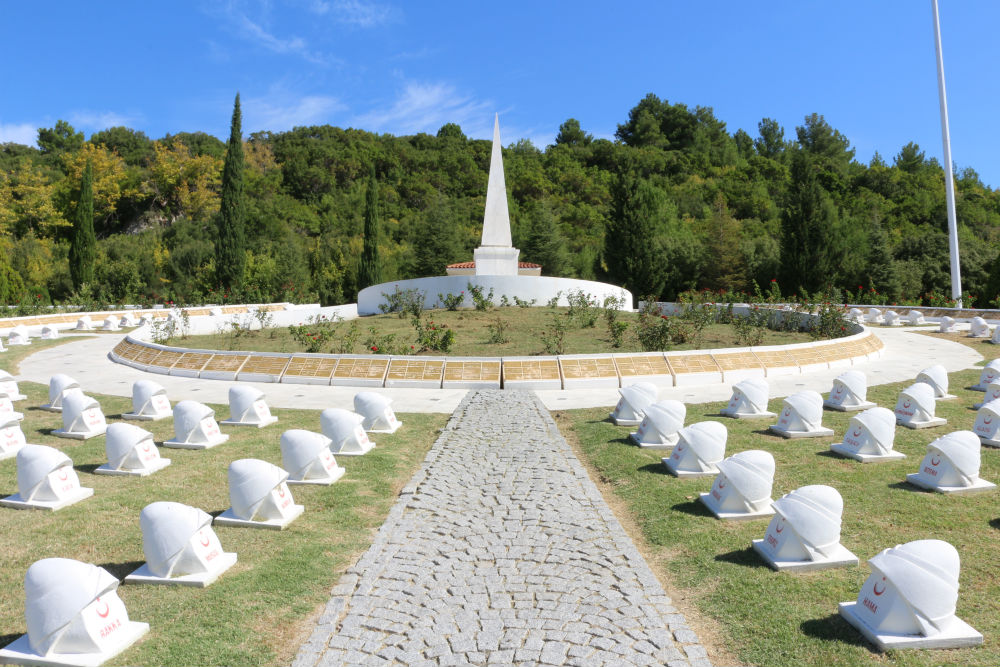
x: 501, y: 551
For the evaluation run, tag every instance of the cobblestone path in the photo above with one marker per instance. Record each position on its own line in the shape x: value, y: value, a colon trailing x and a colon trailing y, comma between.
x: 501, y: 551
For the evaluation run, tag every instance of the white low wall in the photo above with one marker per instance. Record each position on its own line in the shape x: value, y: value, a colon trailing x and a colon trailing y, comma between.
x: 540, y: 288
x: 294, y: 314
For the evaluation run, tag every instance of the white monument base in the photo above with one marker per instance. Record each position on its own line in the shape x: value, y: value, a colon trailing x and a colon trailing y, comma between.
x: 821, y: 432
x: 930, y: 423
x: 957, y: 634
x: 747, y: 415
x: 15, y: 501
x: 832, y: 405
x: 327, y: 481
x: 132, y: 416
x: 19, y: 651
x: 158, y: 465
x: 176, y: 444
x: 496, y: 260
x: 669, y: 444
x: 842, y: 557
x: 229, y: 518
x: 686, y: 474
x: 980, y: 486
x: 623, y: 422
x: 847, y: 452
x: 708, y: 501
x: 76, y: 435
x: 199, y: 580
x: 365, y: 448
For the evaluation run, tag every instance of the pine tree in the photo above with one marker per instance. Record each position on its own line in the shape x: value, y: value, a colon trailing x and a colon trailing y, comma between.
x: 543, y: 244
x: 83, y: 248
x: 370, y: 269
x: 632, y: 239
x: 725, y: 267
x: 434, y: 243
x: 230, y: 246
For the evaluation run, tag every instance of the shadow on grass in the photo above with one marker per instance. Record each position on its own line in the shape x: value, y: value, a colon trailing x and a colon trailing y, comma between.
x: 745, y: 557
x: 694, y: 508
x: 88, y: 467
x: 656, y: 468
x: 835, y: 628
x: 830, y: 454
x: 768, y: 432
x: 122, y: 570
x: 995, y: 523
x: 7, y: 639
x: 906, y: 486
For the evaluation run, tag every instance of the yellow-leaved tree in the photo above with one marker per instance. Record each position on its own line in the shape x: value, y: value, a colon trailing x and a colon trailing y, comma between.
x: 27, y: 202
x: 183, y: 183
x: 111, y: 181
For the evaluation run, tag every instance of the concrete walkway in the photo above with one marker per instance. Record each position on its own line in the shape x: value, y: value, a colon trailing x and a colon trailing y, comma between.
x: 906, y: 353
x: 501, y: 551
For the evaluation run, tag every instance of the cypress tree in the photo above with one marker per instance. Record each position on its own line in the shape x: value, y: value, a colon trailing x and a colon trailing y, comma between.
x: 632, y: 240
x: 542, y: 242
x: 230, y: 246
x: 370, y: 269
x: 83, y: 248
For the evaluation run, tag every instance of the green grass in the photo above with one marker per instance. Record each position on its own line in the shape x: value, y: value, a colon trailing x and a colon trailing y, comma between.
x: 472, y: 334
x: 768, y: 618
x: 258, y: 612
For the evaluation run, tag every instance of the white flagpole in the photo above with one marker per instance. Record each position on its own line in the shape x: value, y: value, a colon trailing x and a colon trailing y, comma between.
x: 949, y: 179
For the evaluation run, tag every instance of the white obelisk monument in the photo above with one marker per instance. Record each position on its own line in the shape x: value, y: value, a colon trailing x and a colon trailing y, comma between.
x: 495, y: 255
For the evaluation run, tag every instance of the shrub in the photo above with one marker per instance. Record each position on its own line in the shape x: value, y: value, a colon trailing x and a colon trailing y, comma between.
x: 521, y: 303
x: 433, y: 337
x: 451, y: 301
x: 481, y: 302
x: 404, y: 302
x: 498, y: 331
x: 554, y: 337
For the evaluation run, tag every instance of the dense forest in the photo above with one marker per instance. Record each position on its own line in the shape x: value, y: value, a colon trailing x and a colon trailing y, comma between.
x: 674, y: 203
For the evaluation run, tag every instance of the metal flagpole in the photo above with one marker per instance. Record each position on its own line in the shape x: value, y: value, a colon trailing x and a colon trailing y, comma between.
x: 949, y: 178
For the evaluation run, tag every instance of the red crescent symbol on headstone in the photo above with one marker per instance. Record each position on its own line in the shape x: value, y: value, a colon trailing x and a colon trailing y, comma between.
x: 875, y: 589
x: 204, y: 539
x: 787, y: 412
x: 281, y: 491
x: 146, y: 447
x: 987, y: 420
x: 857, y: 433
x: 63, y: 474
x: 839, y: 389
x: 935, y: 460
x: 906, y: 405
x: 722, y: 484
x: 680, y: 447
x: 107, y: 610
x: 780, y: 527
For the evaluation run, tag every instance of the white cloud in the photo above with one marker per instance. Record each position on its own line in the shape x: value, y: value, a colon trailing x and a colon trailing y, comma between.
x: 293, y: 45
x: 99, y: 120
x: 278, y: 112
x: 360, y: 13
x: 19, y: 133
x: 423, y: 107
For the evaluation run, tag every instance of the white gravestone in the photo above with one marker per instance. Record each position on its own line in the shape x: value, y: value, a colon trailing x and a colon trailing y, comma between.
x: 801, y: 416
x: 946, y: 325
x: 146, y: 320
x: 110, y: 324
x: 195, y: 427
x: 990, y: 373
x: 749, y: 400
x: 992, y: 394
x: 952, y: 465
x: 635, y: 398
x: 347, y: 435
x: 874, y: 316
x: 869, y: 437
x: 915, y: 407
x: 995, y: 338
x: 376, y: 412
x: 84, y: 324
x: 74, y: 617
x: 259, y: 495
x: 937, y: 377
x: 742, y: 489
x: 131, y: 452
x: 804, y: 534
x: 661, y: 425
x: 45, y: 480
x: 247, y: 407
x: 180, y: 547
x: 60, y: 386
x: 11, y: 438
x: 849, y: 393
x: 891, y: 319
x: 978, y: 328
x: 856, y: 315
x: 987, y: 424
x: 49, y: 332
x: 908, y: 600
x: 149, y: 402
x: 8, y: 385
x: 7, y: 411
x: 699, y: 450
x: 82, y: 418
x: 2, y: 348
x: 915, y: 317
x: 308, y: 459
x: 19, y: 336
x: 127, y: 320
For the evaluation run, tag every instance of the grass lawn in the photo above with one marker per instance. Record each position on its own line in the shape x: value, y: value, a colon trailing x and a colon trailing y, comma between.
x: 762, y: 617
x: 472, y: 334
x: 259, y: 611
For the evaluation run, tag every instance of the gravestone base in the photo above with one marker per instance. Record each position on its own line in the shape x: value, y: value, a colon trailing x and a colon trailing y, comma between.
x: 930, y: 423
x: 199, y: 580
x: 685, y: 474
x: 747, y: 415
x: 634, y: 439
x: 232, y: 422
x: 319, y: 482
x: 176, y: 444
x: 393, y: 429
x: 846, y: 452
x: 228, y: 518
x: 958, y: 634
x: 829, y: 405
x: 981, y: 486
x: 19, y: 651
x: 841, y: 558
x: 367, y: 447
x: 821, y: 432
x: 10, y: 453
x: 132, y: 416
x: 709, y: 502
x: 624, y: 422
x: 106, y: 469
x: 76, y: 435
x: 15, y: 501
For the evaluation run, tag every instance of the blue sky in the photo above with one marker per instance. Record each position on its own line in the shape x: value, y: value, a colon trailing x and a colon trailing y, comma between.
x: 404, y: 67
